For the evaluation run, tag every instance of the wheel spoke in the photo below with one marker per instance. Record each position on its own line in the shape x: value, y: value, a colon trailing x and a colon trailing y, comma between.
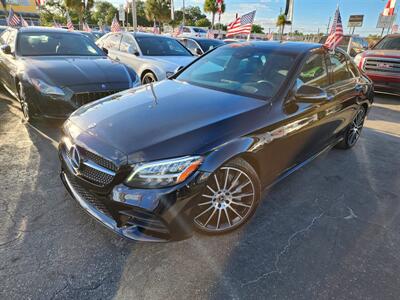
x: 211, y: 189
x: 207, y: 196
x: 219, y: 217
x: 234, y: 182
x: 231, y: 208
x: 204, y: 203
x: 209, y: 219
x: 226, y: 178
x: 243, y: 195
x: 239, y: 188
x: 216, y: 181
x: 208, y: 209
x: 241, y: 204
x: 227, y: 217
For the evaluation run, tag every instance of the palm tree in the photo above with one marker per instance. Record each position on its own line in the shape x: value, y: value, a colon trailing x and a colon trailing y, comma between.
x: 78, y: 7
x: 281, y: 23
x: 211, y: 6
x: 158, y: 10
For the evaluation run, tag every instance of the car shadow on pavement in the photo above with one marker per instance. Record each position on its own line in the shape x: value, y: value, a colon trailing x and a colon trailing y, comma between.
x: 328, y: 231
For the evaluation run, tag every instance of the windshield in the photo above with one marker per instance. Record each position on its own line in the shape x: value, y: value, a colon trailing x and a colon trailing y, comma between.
x: 242, y: 70
x: 56, y: 44
x: 389, y: 43
x: 160, y: 46
x: 207, y: 45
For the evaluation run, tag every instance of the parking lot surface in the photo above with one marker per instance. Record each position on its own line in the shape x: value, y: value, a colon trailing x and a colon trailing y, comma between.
x: 330, y: 230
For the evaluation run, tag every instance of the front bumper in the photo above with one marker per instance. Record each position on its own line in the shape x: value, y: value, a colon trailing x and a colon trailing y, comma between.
x: 152, y: 215
x: 385, y: 84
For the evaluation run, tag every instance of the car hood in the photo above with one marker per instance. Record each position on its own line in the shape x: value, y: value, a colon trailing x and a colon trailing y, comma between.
x: 171, y: 63
x: 69, y: 71
x: 382, y: 53
x: 168, y: 119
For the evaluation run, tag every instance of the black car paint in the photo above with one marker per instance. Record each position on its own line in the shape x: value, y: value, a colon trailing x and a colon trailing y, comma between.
x: 275, y: 136
x: 75, y: 74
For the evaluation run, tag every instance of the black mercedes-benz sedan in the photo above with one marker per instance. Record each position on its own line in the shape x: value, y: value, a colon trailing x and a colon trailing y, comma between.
x: 52, y: 71
x: 196, y: 151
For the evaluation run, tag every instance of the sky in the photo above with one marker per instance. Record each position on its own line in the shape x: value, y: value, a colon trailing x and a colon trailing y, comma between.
x: 309, y: 15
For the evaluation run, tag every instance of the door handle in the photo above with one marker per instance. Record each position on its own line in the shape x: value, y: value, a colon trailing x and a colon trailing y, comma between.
x: 117, y: 59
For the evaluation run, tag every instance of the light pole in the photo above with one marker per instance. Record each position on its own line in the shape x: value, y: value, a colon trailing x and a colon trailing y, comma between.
x: 183, y: 11
x: 134, y: 15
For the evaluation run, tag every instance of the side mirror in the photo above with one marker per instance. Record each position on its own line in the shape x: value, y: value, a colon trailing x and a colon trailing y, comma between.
x: 198, y: 51
x: 105, y: 50
x: 310, y: 94
x: 178, y: 69
x: 136, y: 53
x: 6, y: 49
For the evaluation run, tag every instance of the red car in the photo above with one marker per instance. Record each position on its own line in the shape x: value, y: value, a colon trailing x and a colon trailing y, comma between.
x: 382, y: 64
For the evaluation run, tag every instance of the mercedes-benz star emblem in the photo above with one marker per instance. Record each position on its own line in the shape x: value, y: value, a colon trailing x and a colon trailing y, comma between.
x: 75, y: 157
x: 103, y: 86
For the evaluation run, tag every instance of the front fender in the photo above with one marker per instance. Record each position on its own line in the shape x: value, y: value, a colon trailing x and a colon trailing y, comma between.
x: 226, y: 152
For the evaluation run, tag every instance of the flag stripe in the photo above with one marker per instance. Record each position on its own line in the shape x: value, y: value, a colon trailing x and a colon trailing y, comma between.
x: 336, y: 33
x: 241, y: 25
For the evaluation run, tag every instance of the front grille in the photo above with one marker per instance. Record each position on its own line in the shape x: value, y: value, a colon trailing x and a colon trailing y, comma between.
x: 382, y: 65
x: 80, y: 99
x: 98, y: 159
x: 92, y: 173
x: 88, y: 196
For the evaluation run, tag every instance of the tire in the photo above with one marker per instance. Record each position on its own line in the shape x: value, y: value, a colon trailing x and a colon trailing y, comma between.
x: 26, y: 107
x: 353, y: 132
x: 229, y: 200
x: 149, y: 77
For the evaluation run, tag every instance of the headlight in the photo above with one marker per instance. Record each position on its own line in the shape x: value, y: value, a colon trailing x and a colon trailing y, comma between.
x: 163, y: 173
x: 47, y: 89
x: 169, y: 74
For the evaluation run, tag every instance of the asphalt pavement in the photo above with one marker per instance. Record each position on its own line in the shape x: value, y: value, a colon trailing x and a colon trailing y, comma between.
x: 330, y: 230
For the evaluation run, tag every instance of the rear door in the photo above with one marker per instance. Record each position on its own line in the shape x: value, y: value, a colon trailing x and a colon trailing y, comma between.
x: 127, y: 50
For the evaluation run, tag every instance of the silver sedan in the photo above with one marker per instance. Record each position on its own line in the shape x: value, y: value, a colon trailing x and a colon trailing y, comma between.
x: 153, y: 57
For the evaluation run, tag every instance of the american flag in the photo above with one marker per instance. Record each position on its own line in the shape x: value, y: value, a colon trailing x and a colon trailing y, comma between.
x: 389, y: 8
x: 115, y: 25
x: 86, y: 27
x: 242, y: 25
x: 219, y: 5
x: 70, y: 25
x: 24, y: 23
x: 40, y: 2
x: 13, y: 19
x: 336, y: 34
x: 178, y: 30
x: 56, y: 25
x: 210, y: 34
x: 156, y: 30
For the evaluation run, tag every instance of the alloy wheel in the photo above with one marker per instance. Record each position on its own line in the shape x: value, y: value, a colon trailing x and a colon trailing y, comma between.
x: 356, y: 127
x: 227, y: 202
x: 23, y: 103
x: 148, y: 78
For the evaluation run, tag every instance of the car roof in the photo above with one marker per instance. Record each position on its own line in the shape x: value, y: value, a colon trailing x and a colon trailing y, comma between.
x: 393, y: 35
x: 198, y: 39
x: 289, y: 47
x: 44, y: 29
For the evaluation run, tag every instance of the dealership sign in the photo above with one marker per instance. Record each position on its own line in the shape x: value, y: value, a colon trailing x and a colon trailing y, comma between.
x: 386, y: 21
x: 356, y: 21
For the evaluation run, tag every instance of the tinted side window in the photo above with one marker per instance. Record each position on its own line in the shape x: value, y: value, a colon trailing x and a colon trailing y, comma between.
x: 314, y: 72
x: 185, y: 29
x: 113, y: 41
x: 126, y: 42
x: 339, y: 67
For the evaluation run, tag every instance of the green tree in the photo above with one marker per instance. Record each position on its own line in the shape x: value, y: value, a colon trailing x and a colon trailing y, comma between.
x: 281, y: 23
x: 204, y: 22
x: 78, y: 7
x: 257, y: 29
x: 53, y: 10
x: 103, y: 11
x: 211, y: 6
x: 158, y: 10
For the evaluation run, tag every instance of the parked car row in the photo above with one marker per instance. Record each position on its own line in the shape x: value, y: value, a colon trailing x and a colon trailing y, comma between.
x: 194, y: 151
